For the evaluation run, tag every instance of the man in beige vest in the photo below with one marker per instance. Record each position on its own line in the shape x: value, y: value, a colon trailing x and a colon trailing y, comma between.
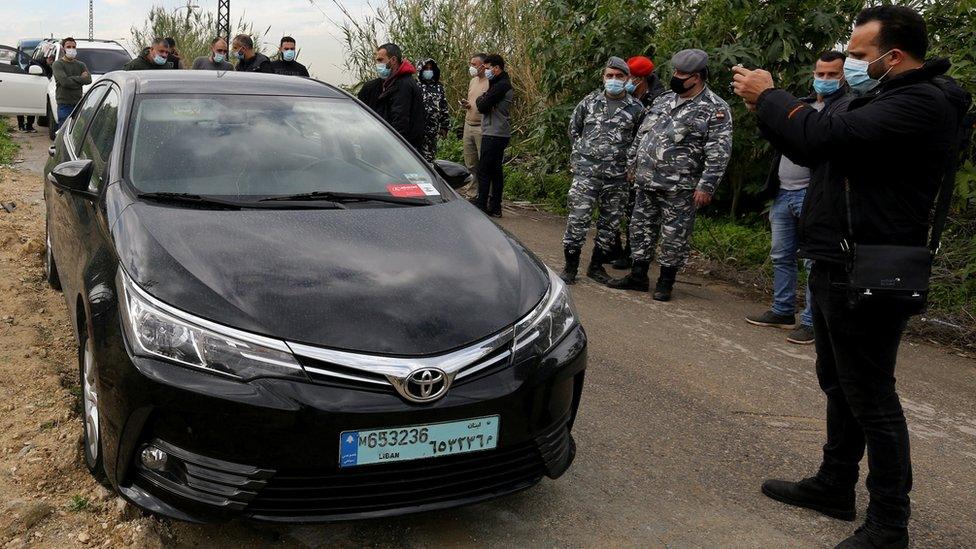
x: 472, y: 119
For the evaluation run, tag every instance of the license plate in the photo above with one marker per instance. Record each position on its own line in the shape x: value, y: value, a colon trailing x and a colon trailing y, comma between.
x: 417, y: 441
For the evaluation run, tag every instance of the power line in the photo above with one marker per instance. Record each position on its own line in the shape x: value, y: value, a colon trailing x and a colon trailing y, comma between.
x: 91, y: 19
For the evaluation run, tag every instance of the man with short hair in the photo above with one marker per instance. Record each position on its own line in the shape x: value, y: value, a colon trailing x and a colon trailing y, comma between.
x: 174, y: 54
x: 601, y: 131
x: 217, y: 60
x: 70, y: 78
x: 677, y: 161
x: 249, y: 60
x: 471, y: 135
x: 878, y: 167
x: 496, y: 131
x: 787, y: 186
x: 395, y: 95
x: 154, y: 57
x: 286, y: 64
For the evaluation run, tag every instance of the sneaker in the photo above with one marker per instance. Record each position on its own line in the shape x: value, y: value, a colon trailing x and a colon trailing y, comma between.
x: 771, y: 319
x: 812, y: 493
x: 874, y: 536
x: 495, y: 213
x: 802, y: 335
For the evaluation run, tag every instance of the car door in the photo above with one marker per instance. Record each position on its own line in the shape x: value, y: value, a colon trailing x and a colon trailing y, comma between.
x: 20, y: 91
x: 62, y: 206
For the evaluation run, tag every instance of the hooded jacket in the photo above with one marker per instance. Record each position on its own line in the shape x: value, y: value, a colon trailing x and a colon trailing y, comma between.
x: 494, y: 105
x: 891, y: 147
x: 399, y: 101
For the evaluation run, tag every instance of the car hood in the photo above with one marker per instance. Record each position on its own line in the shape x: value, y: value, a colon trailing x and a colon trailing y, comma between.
x: 405, y: 281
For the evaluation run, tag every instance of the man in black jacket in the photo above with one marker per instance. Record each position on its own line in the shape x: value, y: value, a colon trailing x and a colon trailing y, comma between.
x: 286, y: 64
x: 395, y: 95
x: 249, y: 60
x: 496, y: 132
x: 891, y: 150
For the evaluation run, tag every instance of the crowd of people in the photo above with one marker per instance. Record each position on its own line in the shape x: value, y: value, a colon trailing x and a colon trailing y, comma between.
x: 858, y: 164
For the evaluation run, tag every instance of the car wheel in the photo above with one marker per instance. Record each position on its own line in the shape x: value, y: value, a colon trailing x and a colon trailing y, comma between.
x: 50, y: 267
x: 51, y: 124
x: 92, y: 437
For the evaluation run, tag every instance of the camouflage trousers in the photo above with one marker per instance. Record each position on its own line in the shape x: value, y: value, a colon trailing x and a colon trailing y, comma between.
x: 609, y: 196
x: 668, y: 216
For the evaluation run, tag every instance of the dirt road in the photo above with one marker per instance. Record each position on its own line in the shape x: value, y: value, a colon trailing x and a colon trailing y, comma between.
x: 687, y: 408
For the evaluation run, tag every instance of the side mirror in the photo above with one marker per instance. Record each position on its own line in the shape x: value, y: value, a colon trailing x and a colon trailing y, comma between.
x: 455, y: 174
x: 74, y: 176
x: 36, y: 70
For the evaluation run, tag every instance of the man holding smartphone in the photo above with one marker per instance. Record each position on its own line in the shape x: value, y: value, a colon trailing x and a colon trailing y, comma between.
x: 472, y: 119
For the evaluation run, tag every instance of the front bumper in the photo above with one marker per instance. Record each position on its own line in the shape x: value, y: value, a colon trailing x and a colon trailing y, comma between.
x: 269, y: 449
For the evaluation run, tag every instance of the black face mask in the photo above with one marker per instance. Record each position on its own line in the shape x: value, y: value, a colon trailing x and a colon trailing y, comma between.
x: 678, y: 84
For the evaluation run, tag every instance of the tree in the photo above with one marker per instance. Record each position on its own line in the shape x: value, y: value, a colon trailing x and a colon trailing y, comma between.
x: 193, y: 32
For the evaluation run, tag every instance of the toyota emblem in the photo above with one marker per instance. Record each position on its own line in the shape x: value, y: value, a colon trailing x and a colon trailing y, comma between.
x: 425, y: 385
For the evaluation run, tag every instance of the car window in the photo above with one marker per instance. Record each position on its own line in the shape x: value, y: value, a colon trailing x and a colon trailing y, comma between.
x: 259, y: 146
x: 11, y: 60
x: 83, y: 114
x: 101, y: 136
x: 101, y: 61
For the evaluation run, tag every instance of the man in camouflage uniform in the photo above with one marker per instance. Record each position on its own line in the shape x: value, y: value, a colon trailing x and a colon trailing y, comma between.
x: 601, y: 130
x: 677, y: 161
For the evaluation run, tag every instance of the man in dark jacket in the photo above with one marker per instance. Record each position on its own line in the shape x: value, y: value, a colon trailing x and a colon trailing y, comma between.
x: 891, y: 150
x: 496, y: 132
x: 286, y: 64
x: 249, y: 60
x: 155, y: 57
x: 395, y: 95
x: 786, y: 186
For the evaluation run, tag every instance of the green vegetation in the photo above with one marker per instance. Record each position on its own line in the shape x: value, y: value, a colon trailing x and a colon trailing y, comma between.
x: 192, y: 31
x: 78, y: 503
x: 8, y: 147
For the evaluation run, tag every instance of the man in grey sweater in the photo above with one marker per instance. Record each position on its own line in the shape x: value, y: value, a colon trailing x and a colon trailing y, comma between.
x: 70, y: 78
x: 216, y: 61
x: 496, y: 132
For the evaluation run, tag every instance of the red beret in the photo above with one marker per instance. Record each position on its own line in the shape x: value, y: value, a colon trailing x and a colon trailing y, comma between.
x: 640, y: 66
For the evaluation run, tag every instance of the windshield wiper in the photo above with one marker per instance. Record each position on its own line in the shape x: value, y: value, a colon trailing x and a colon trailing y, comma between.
x: 336, y: 196
x: 191, y: 198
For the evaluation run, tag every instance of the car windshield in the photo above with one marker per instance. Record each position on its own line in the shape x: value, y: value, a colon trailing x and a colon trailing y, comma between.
x: 103, y: 61
x: 268, y: 146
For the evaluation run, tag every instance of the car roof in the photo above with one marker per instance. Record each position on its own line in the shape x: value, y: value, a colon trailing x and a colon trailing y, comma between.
x: 222, y: 82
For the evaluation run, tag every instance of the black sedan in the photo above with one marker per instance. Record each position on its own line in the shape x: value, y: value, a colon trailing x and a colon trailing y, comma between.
x: 284, y: 313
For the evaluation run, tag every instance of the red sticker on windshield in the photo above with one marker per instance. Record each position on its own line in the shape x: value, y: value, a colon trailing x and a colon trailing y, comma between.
x: 405, y: 189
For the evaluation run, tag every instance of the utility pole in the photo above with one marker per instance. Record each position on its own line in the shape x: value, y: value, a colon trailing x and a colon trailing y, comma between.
x: 91, y: 19
x: 223, y: 20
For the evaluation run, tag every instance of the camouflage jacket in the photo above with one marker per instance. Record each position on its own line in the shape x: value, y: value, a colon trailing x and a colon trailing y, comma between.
x: 683, y: 147
x: 600, y: 140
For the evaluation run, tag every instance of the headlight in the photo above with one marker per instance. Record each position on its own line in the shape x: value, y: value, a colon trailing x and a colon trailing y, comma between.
x: 156, y: 329
x: 552, y: 319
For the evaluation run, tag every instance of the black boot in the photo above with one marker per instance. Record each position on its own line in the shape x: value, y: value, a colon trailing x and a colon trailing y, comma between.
x: 616, y: 250
x: 572, y: 256
x: 665, y: 283
x: 596, y: 270
x: 624, y: 262
x: 875, y: 536
x: 636, y: 280
x: 812, y: 493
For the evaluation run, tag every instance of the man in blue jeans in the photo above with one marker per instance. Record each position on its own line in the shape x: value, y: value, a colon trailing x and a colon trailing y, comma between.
x: 70, y: 78
x: 787, y: 185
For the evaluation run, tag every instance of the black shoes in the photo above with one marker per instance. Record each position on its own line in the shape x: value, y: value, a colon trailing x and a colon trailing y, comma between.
x: 636, y: 280
x: 771, y: 319
x: 665, y: 284
x: 596, y: 270
x: 802, y: 335
x: 811, y: 493
x: 873, y: 536
x: 572, y: 265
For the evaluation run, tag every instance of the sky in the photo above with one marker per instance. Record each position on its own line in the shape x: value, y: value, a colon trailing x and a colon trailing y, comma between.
x: 304, y: 19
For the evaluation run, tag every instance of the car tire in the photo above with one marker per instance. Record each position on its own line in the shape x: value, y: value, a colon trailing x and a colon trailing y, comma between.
x: 51, y: 124
x: 50, y: 266
x: 90, y: 418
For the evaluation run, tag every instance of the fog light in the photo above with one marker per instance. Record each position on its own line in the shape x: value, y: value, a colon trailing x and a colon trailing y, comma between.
x: 154, y: 459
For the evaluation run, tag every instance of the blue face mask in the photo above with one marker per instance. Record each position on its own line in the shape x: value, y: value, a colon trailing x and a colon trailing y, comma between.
x: 613, y: 86
x: 427, y: 74
x: 383, y: 70
x: 159, y: 60
x: 218, y: 58
x: 489, y: 74
x: 239, y: 54
x: 289, y: 55
x: 824, y: 86
x: 856, y: 74
x: 630, y: 87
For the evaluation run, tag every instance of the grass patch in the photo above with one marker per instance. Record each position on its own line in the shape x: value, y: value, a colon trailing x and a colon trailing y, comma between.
x: 739, y: 244
x: 8, y: 147
x: 547, y: 189
x: 78, y: 503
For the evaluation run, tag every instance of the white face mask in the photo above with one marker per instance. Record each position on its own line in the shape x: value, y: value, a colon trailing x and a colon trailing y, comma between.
x: 473, y: 71
x: 70, y: 53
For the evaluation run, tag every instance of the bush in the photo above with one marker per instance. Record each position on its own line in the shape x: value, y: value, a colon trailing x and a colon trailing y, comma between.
x: 538, y: 187
x: 451, y: 148
x: 736, y: 243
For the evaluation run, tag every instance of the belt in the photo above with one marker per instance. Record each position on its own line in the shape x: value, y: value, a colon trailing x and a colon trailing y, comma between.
x: 466, y: 123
